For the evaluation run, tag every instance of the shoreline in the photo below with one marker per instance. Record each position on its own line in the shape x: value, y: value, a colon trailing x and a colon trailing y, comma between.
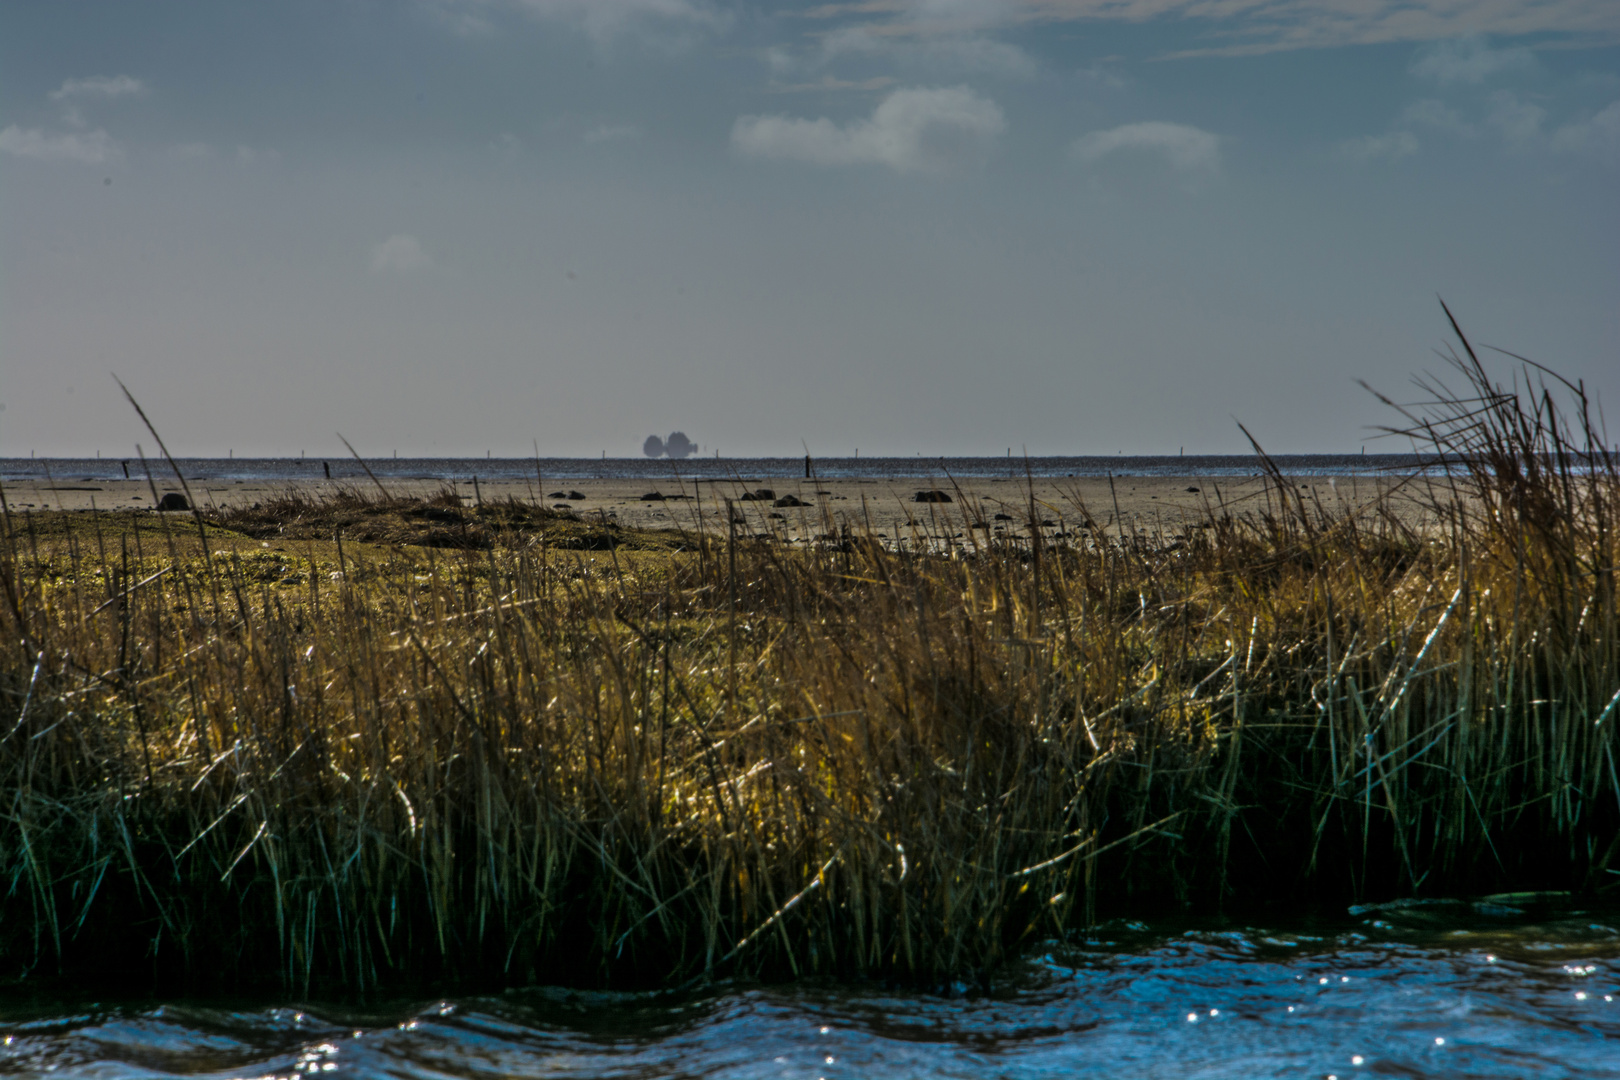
x: 1157, y: 504
x: 343, y: 467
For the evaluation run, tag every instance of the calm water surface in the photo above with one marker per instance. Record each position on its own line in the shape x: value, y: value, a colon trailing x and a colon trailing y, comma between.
x: 82, y: 470
x: 1437, y: 990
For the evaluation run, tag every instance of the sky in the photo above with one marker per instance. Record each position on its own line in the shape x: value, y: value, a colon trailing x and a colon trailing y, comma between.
x: 936, y: 227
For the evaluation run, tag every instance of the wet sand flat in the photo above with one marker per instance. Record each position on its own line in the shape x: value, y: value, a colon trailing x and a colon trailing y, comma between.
x: 1128, y: 503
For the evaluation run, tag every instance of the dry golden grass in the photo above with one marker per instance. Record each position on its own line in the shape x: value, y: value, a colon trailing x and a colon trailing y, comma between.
x: 300, y: 757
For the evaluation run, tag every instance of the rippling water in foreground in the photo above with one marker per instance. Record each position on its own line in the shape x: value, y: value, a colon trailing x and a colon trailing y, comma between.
x: 1451, y: 990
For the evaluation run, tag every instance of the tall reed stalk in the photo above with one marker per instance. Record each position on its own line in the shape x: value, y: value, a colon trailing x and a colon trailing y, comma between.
x: 507, y: 762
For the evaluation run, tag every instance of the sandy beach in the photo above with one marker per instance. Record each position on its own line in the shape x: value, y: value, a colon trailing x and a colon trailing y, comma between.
x: 1144, y: 504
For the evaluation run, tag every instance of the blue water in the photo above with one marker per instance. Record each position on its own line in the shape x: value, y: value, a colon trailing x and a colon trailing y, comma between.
x: 69, y: 470
x: 1459, y: 991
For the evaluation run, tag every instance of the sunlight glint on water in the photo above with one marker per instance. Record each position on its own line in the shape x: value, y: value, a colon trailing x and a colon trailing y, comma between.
x: 1407, y: 997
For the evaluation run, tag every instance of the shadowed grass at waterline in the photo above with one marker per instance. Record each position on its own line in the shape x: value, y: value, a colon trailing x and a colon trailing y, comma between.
x: 356, y: 760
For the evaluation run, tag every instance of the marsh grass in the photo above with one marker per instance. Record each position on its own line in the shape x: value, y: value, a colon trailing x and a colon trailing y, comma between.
x: 347, y: 744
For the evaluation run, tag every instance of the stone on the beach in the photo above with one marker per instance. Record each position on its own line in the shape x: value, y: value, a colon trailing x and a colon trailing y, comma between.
x: 652, y: 496
x: 1192, y: 491
x: 790, y: 500
x: 173, y: 501
x: 1004, y: 517
x: 934, y: 496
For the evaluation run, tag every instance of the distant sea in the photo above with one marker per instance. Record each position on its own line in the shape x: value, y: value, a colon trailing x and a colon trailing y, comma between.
x: 271, y: 470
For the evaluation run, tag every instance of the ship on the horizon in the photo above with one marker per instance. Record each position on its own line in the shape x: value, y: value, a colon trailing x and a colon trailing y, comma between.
x: 676, y: 446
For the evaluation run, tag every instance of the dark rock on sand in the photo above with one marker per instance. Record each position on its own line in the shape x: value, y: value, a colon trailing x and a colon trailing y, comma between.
x: 935, y: 496
x: 1192, y: 491
x: 652, y: 496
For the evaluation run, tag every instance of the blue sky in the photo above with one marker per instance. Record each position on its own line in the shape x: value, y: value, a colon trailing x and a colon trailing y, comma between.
x: 909, y: 226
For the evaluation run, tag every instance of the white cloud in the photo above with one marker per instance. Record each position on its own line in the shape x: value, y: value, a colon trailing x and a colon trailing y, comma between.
x: 399, y: 254
x: 619, y: 9
x: 1187, y: 148
x: 1396, y: 144
x: 958, y: 53
x: 930, y: 38
x: 612, y: 133
x: 1468, y: 60
x: 1518, y: 121
x: 1598, y: 136
x: 781, y: 61
x: 243, y: 155
x: 98, y: 86
x: 911, y: 130
x: 1259, y: 26
x: 830, y: 84
x: 600, y: 19
x: 973, y: 13
x: 88, y: 147
x: 1435, y: 114
x: 1521, y: 125
x: 1101, y: 75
